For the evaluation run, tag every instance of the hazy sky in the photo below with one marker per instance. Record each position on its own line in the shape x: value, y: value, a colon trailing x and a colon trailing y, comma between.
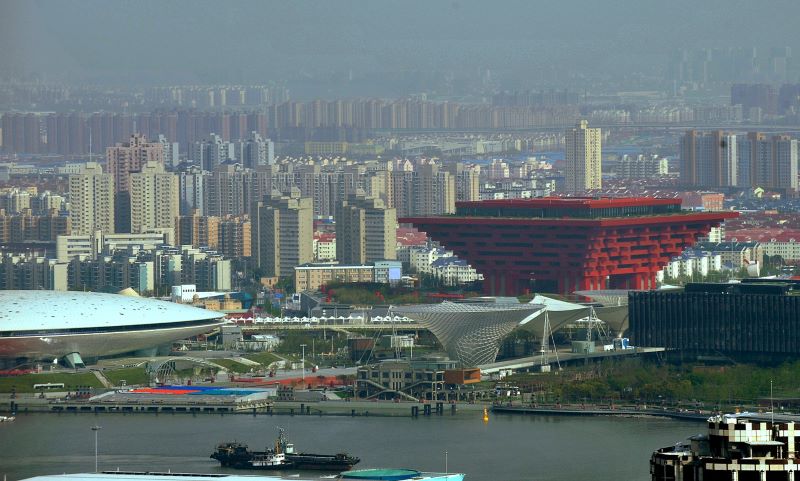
x: 156, y: 41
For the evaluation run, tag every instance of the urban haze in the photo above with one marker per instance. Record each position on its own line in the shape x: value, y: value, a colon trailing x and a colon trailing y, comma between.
x: 507, y: 241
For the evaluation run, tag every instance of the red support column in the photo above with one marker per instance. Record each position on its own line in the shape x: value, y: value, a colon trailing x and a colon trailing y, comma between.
x: 653, y: 282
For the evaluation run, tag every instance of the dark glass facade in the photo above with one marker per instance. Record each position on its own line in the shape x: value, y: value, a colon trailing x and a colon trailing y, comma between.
x: 744, y: 321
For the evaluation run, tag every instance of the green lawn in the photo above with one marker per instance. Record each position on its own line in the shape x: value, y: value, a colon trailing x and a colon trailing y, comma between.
x: 231, y: 365
x: 263, y: 358
x: 131, y: 375
x: 25, y: 382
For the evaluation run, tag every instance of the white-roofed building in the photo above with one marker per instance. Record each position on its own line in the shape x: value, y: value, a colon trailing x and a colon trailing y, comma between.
x: 47, y: 325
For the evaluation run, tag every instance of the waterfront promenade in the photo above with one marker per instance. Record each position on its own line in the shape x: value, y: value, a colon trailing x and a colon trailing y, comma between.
x: 603, y: 410
x: 30, y: 404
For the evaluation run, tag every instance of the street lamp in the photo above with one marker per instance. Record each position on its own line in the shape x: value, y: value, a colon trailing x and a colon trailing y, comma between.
x: 95, y: 428
x: 303, y: 362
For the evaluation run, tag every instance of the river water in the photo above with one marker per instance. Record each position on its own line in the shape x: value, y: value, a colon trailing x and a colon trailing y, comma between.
x: 507, y: 448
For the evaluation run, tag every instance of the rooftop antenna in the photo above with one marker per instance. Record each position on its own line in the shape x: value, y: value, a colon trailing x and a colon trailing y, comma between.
x: 90, y: 144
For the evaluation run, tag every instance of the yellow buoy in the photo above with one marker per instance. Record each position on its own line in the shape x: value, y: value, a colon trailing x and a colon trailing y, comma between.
x: 485, y: 415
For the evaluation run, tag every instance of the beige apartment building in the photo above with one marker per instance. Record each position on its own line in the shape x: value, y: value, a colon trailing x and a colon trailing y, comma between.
x: 125, y: 158
x: 282, y: 233
x: 122, y: 160
x: 235, y: 236
x: 197, y: 230
x: 423, y: 190
x: 310, y: 277
x: 583, y: 159
x: 154, y: 198
x: 91, y: 195
x: 467, y: 181
x: 365, y: 231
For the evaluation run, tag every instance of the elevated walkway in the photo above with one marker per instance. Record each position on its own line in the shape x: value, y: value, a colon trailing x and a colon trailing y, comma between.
x: 527, y: 363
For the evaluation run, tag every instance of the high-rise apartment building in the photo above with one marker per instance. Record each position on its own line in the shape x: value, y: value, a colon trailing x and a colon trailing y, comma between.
x: 26, y: 226
x: 197, y: 230
x: 121, y: 161
x: 257, y: 151
x: 227, y: 190
x: 21, y: 133
x: 433, y: 191
x: 154, y: 198
x: 91, y: 195
x: 423, y: 189
x: 235, y: 237
x: 325, y: 186
x: 365, y: 231
x: 467, y: 181
x: 191, y: 183
x: 583, y: 159
x: 768, y: 162
x: 377, y: 180
x: 709, y: 159
x: 171, y: 151
x: 282, y: 233
x: 402, y: 192
x: 210, y: 153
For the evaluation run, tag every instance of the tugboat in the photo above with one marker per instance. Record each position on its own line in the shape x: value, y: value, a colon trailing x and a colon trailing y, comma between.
x: 280, y: 457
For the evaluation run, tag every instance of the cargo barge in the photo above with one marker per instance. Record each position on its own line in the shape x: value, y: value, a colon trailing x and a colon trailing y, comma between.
x: 280, y: 457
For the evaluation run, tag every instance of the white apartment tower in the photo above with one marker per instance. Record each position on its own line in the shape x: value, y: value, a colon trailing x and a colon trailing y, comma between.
x: 583, y: 159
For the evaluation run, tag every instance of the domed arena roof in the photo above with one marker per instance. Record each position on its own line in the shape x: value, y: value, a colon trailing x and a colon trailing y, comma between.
x: 58, y: 310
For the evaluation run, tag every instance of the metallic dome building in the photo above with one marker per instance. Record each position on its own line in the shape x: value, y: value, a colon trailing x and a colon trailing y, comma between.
x: 470, y: 332
x: 48, y: 325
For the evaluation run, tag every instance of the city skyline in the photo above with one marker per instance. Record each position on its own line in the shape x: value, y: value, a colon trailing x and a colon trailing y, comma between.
x: 548, y: 43
x: 462, y: 213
